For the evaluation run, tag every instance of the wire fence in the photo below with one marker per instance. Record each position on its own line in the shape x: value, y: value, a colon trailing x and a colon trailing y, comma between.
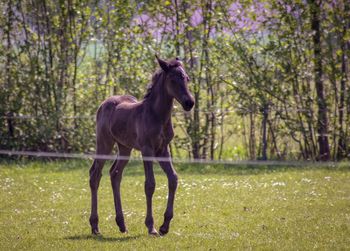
x: 41, y: 154
x: 62, y: 155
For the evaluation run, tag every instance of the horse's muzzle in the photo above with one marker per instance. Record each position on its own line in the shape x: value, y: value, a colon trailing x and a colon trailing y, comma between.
x: 188, y: 104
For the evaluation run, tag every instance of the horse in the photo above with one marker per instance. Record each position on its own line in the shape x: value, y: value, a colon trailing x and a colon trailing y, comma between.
x: 147, y: 127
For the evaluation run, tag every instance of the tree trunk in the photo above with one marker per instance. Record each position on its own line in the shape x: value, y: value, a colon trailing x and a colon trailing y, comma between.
x: 322, y: 121
x: 342, y: 147
x: 274, y: 140
x: 264, y: 131
x: 8, y: 85
x: 177, y: 27
x: 193, y: 126
x: 252, y: 151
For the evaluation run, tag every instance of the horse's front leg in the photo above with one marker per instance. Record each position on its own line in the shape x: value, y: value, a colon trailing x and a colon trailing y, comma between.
x: 150, y: 185
x: 167, y: 166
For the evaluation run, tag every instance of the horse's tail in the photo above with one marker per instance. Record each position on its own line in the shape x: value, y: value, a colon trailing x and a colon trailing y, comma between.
x: 104, y: 138
x: 99, y: 112
x: 104, y: 114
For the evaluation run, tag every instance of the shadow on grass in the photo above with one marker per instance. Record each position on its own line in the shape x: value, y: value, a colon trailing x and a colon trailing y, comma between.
x: 101, y: 238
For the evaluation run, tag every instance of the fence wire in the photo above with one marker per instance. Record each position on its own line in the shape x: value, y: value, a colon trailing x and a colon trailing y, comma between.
x: 61, y: 155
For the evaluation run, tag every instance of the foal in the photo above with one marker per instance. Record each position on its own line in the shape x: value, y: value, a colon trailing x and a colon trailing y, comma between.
x: 146, y: 126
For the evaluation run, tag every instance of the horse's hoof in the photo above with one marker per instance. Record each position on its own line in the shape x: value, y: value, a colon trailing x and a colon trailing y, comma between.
x: 153, y: 233
x: 123, y: 231
x: 163, y: 230
x: 95, y: 232
x: 121, y: 224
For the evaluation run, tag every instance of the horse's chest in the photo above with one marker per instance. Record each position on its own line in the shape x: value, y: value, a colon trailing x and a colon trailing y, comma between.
x: 162, y: 138
x: 153, y: 133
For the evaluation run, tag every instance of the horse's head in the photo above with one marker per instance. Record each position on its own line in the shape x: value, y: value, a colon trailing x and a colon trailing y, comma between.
x: 176, y: 82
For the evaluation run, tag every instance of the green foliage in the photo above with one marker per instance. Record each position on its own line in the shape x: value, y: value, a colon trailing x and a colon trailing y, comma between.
x: 251, y: 69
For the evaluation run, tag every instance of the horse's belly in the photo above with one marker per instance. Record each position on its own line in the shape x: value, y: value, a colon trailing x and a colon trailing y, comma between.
x: 122, y: 128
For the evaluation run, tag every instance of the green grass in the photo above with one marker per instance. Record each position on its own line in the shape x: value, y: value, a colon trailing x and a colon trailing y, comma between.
x: 45, y: 206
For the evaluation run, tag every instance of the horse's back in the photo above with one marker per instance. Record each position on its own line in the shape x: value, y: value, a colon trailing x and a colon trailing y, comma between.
x: 108, y: 105
x: 113, y: 118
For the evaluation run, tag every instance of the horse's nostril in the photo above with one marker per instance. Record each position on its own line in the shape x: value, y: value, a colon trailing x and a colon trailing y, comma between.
x: 189, y: 104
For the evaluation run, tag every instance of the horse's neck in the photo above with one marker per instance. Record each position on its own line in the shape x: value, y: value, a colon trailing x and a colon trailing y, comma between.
x: 161, y: 104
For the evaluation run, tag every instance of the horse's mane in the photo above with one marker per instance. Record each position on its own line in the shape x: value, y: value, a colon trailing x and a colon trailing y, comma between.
x: 155, y: 79
x: 158, y: 75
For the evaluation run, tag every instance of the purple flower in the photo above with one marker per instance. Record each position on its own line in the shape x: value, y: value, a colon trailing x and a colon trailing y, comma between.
x: 196, y: 18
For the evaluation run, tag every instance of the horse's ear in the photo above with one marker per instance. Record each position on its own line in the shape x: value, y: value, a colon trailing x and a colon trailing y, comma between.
x: 164, y: 65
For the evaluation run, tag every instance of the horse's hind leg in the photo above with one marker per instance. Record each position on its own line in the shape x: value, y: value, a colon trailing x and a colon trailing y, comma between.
x: 116, y: 173
x: 95, y: 177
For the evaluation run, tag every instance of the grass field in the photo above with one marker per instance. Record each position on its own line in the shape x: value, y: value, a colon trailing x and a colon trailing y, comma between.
x: 45, y: 206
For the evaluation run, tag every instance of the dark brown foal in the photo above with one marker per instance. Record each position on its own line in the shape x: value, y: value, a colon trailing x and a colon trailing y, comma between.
x: 146, y: 126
